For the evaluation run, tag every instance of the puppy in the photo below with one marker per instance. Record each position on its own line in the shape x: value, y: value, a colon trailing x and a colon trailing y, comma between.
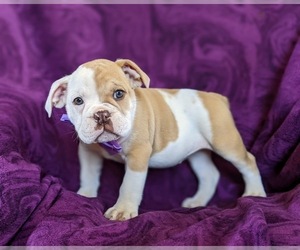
x: 147, y: 128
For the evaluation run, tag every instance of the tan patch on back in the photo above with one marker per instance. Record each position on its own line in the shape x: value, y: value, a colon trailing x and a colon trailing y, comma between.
x: 170, y: 91
x: 165, y: 122
x: 226, y: 139
x: 155, y: 122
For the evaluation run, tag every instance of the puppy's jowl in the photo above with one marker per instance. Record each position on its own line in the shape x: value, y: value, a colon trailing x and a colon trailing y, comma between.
x: 148, y: 128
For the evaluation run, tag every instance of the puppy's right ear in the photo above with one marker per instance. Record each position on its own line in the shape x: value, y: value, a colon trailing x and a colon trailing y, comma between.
x: 57, y: 94
x: 136, y: 76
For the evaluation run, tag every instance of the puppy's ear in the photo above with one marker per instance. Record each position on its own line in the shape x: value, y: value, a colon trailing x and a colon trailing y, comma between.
x: 57, y: 94
x: 136, y: 76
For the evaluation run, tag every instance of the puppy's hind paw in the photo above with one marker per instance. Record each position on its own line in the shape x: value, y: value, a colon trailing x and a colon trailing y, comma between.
x: 87, y: 192
x: 192, y: 202
x: 259, y: 193
x: 120, y: 213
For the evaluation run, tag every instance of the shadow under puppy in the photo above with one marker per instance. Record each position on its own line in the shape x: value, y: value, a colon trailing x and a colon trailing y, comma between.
x: 148, y: 128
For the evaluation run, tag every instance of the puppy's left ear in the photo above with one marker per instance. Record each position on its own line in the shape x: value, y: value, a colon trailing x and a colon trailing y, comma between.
x: 57, y: 94
x: 136, y: 76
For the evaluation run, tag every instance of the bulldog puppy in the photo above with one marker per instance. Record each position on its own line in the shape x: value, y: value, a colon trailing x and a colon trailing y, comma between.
x: 150, y: 128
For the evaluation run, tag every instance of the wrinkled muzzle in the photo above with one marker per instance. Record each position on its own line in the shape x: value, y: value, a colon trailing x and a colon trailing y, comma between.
x: 102, y: 125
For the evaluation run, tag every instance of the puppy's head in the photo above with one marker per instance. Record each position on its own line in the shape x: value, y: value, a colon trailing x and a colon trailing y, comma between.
x: 99, y: 98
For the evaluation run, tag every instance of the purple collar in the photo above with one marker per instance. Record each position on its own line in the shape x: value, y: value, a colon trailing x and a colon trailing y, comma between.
x: 112, y: 147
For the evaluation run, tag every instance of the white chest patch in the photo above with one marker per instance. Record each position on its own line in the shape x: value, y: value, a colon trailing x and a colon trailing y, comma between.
x: 193, y: 126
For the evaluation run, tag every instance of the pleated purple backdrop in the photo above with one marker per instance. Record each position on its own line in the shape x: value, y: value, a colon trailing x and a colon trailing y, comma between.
x: 250, y: 53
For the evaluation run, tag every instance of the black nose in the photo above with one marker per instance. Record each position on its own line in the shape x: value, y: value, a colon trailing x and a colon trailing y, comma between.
x: 102, y: 116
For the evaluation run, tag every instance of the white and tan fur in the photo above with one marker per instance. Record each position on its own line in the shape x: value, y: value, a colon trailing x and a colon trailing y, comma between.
x: 156, y: 128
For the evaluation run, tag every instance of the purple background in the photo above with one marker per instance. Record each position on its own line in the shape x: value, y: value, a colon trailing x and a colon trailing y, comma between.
x: 250, y: 53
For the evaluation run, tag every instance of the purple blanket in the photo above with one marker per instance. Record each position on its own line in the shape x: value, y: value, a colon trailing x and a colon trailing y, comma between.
x: 249, y: 53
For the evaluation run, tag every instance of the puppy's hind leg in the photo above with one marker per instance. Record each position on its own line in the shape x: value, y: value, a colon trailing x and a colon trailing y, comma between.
x: 230, y: 146
x: 207, y: 175
x: 227, y: 142
x: 246, y: 164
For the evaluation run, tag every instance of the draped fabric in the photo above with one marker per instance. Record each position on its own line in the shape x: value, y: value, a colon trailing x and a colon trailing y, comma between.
x: 249, y: 53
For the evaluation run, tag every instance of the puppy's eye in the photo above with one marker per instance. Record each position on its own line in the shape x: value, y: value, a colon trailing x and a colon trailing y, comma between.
x: 78, y: 101
x: 118, y: 94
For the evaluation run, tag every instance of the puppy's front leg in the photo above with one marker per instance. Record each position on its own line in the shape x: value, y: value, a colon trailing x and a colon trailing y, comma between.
x: 90, y: 170
x: 132, y: 188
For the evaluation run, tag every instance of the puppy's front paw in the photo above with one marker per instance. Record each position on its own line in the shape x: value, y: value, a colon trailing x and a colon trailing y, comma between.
x: 87, y: 192
x: 121, y: 212
x: 193, y: 202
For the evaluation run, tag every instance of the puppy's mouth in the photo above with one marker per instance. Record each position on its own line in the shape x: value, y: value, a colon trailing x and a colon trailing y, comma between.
x: 106, y: 126
x: 114, y: 136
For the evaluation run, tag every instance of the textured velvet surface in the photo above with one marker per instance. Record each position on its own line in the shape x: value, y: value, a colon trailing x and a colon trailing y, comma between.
x: 249, y: 53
